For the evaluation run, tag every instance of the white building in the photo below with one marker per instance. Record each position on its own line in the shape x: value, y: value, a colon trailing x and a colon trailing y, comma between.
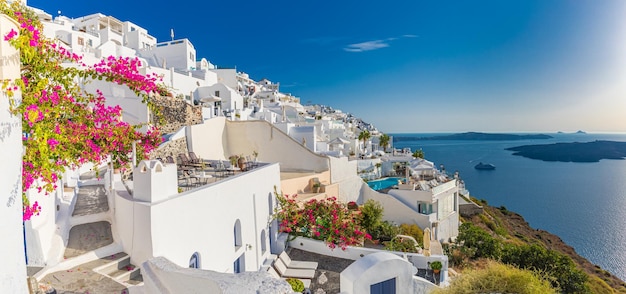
x: 179, y: 54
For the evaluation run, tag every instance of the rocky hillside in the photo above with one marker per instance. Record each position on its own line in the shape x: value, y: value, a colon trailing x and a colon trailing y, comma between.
x: 511, y: 227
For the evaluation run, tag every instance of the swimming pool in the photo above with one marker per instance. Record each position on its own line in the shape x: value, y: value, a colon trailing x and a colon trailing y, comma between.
x: 383, y: 183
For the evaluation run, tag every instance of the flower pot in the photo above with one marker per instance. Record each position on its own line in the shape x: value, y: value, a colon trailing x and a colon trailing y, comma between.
x: 241, y: 162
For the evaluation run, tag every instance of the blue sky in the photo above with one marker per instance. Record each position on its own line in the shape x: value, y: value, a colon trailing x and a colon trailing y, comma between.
x: 414, y: 66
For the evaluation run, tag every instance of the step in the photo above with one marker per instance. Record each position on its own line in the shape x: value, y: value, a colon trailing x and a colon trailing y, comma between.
x: 115, y: 262
x: 127, y: 273
x: 120, y: 269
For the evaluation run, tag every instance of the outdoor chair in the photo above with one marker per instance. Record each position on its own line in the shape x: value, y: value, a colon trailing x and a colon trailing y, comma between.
x: 184, y: 160
x: 228, y: 167
x: 285, y: 272
x: 189, y: 177
x: 250, y: 164
x: 218, y: 167
x: 274, y: 274
x: 296, y: 263
x: 193, y: 158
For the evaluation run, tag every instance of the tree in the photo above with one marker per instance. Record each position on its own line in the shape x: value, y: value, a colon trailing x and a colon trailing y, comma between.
x: 418, y: 154
x: 384, y: 141
x: 364, y: 136
x: 63, y: 125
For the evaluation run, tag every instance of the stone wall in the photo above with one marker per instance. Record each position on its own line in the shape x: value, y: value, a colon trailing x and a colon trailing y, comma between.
x: 177, y: 113
x: 470, y: 209
x: 172, y: 148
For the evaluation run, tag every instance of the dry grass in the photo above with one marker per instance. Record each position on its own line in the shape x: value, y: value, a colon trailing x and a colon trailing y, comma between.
x: 498, y: 278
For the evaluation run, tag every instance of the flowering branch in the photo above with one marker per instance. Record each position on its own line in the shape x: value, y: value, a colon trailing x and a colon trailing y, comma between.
x: 63, y: 125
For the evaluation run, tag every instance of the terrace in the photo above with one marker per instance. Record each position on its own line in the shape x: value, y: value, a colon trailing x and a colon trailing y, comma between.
x: 199, y: 172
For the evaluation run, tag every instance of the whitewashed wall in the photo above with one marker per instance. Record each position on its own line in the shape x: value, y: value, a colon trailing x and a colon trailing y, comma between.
x: 134, y: 111
x: 13, y: 266
x: 395, y: 210
x: 343, y: 173
x: 202, y: 220
x: 208, y: 140
x: 182, y: 83
x: 41, y: 229
x: 272, y: 145
x: 355, y: 253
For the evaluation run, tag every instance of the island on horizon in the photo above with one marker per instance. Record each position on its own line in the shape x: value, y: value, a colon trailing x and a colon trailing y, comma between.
x: 477, y: 136
x: 573, y: 152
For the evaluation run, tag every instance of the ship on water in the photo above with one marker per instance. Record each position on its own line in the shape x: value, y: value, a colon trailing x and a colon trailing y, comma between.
x: 485, y: 166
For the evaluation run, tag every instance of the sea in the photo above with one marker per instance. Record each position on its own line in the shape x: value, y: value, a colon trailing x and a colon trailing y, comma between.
x: 582, y: 203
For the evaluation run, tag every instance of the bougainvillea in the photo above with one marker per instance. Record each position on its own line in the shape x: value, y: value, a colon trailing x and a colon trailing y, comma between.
x: 62, y: 124
x: 327, y: 220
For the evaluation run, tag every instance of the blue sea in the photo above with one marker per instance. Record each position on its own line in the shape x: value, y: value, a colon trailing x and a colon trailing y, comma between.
x: 583, y: 203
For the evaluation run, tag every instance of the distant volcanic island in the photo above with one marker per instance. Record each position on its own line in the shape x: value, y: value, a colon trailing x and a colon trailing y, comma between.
x: 573, y: 152
x: 476, y: 137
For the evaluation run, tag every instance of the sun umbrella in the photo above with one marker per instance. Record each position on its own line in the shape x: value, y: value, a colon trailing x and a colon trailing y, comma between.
x: 427, y: 242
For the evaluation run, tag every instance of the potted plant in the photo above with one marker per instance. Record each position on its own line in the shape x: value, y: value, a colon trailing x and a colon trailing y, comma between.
x: 233, y: 159
x: 255, y: 154
x: 316, y: 187
x: 241, y: 162
x: 296, y: 285
x: 436, y: 266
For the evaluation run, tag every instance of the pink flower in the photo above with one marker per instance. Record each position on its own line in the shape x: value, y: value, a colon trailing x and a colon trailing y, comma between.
x: 10, y: 35
x: 53, y: 143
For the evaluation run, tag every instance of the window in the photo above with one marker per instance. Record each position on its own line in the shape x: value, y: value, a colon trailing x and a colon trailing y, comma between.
x: 217, y: 93
x: 263, y: 241
x: 424, y: 208
x: 446, y: 206
x: 384, y: 287
x: 81, y: 41
x: 194, y: 261
x: 237, y: 235
x: 89, y: 42
x: 191, y: 57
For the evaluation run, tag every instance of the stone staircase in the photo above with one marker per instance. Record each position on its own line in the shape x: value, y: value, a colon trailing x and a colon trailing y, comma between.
x: 90, y: 234
x: 120, y: 269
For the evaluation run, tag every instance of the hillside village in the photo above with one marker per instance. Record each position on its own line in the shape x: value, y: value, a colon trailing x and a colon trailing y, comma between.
x: 199, y: 214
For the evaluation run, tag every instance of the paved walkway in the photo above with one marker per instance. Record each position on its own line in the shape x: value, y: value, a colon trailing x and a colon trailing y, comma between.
x: 91, y: 200
x: 87, y: 237
x: 83, y: 238
x: 326, y: 279
x: 82, y: 279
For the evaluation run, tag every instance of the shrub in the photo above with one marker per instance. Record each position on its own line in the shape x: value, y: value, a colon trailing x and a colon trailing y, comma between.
x: 498, y: 278
x: 326, y: 220
x: 556, y: 267
x: 296, y: 285
x: 483, y: 243
x: 385, y: 231
x: 371, y: 215
x: 414, y: 231
x: 402, y: 245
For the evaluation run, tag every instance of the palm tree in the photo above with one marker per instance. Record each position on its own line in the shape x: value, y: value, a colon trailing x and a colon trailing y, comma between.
x: 418, y: 154
x: 364, y: 136
x: 384, y: 141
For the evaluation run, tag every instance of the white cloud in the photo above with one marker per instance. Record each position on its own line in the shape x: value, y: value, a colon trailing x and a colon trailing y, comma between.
x: 374, y: 45
x: 366, y: 46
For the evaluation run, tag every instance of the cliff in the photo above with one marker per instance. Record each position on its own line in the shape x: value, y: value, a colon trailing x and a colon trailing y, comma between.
x: 511, y: 227
x: 573, y: 152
